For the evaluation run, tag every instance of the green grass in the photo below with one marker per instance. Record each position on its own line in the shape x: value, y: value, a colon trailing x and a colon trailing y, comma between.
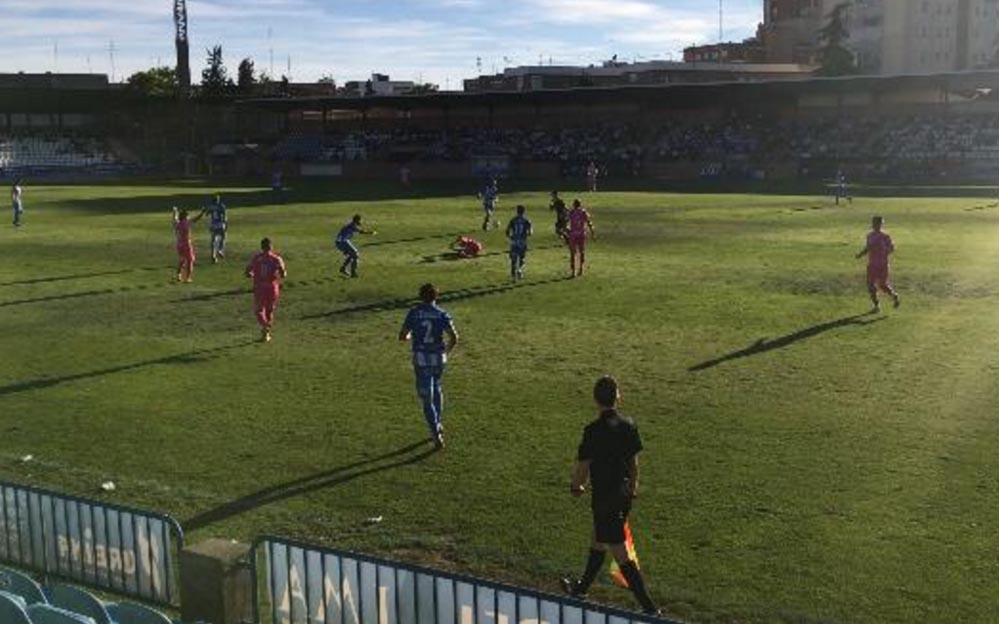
x: 801, y: 465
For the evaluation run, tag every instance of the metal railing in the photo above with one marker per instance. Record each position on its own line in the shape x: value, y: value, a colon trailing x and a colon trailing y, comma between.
x: 307, y: 584
x: 108, y: 547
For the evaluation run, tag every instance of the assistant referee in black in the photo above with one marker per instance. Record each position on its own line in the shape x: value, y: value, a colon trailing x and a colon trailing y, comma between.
x: 608, y: 459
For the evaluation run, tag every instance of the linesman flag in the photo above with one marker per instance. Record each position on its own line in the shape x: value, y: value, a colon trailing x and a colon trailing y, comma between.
x: 629, y: 545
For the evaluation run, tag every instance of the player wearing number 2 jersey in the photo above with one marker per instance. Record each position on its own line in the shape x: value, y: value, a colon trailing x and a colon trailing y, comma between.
x: 433, y: 336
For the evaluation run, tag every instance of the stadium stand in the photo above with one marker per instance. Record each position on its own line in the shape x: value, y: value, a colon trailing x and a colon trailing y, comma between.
x: 888, y: 143
x: 24, y: 601
x: 39, y: 155
x: 79, y: 601
x: 47, y: 614
x: 13, y: 609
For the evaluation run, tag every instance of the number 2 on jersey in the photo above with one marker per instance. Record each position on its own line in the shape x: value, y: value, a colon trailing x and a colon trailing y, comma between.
x: 428, y: 332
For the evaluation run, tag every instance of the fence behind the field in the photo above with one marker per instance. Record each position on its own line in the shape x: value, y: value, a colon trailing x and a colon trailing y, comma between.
x: 108, y: 547
x: 304, y: 584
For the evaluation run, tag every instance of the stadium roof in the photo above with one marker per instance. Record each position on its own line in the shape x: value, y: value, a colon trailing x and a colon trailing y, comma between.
x: 954, y: 81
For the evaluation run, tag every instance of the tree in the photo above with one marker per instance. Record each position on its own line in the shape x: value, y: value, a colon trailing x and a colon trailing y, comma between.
x: 327, y: 79
x: 156, y: 81
x: 214, y: 78
x: 246, y: 75
x: 834, y: 58
x: 424, y: 89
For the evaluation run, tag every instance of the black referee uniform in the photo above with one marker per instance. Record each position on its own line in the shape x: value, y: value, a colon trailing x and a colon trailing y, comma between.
x: 609, y: 447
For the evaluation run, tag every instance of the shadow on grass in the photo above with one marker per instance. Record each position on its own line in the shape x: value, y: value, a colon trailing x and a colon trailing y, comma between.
x: 982, y: 207
x: 446, y: 297
x: 191, y: 357
x: 333, y: 477
x: 77, y: 276
x: 302, y: 192
x: 763, y: 345
x: 418, y: 239
x: 450, y: 256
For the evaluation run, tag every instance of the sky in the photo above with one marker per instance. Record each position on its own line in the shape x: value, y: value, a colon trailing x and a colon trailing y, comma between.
x: 438, y: 41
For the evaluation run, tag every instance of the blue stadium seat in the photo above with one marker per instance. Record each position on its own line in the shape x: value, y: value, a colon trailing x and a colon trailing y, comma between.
x: 21, y: 584
x: 12, y: 609
x: 132, y: 613
x: 79, y: 601
x: 47, y: 614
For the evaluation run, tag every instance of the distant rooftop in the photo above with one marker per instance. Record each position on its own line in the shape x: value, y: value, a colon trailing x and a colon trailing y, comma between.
x: 53, y: 81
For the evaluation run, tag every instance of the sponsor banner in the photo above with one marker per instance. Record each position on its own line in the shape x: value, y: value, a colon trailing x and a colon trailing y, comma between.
x: 124, y: 551
x: 303, y: 584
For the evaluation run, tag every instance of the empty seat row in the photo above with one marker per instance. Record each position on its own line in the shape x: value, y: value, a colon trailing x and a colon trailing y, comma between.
x: 24, y: 601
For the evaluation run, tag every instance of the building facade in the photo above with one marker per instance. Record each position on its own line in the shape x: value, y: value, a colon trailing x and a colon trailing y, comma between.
x: 889, y: 37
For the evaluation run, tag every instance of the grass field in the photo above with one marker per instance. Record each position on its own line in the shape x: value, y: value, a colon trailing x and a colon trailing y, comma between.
x: 804, y: 462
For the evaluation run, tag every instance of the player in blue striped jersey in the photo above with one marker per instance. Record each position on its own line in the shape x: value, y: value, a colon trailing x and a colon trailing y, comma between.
x: 350, y: 254
x: 490, y: 199
x: 433, y: 336
x: 518, y: 231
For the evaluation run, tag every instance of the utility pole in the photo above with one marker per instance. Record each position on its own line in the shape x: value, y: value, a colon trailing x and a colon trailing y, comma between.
x: 721, y: 21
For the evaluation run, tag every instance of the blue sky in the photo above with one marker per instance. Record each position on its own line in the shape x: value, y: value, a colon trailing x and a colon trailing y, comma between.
x: 433, y: 40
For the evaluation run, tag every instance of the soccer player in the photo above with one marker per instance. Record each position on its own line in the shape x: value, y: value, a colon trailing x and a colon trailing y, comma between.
x: 561, y: 217
x: 842, y: 192
x: 878, y: 248
x: 266, y: 269
x: 218, y: 225
x: 490, y: 199
x: 17, y: 201
x: 185, y: 245
x: 347, y: 248
x: 592, y: 173
x: 518, y: 231
x: 608, y: 459
x: 579, y: 223
x: 433, y: 337
x: 466, y: 247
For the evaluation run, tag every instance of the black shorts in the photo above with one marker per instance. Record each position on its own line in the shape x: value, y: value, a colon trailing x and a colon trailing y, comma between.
x: 609, y: 520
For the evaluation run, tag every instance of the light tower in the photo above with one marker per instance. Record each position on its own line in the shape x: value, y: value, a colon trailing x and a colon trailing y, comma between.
x: 183, y: 49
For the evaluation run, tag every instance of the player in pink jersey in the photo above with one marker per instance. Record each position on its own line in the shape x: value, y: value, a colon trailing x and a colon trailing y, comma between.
x: 878, y: 248
x: 266, y: 269
x: 579, y: 223
x: 185, y: 245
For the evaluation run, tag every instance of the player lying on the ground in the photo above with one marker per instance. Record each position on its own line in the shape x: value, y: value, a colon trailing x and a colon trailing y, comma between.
x: 427, y: 326
x: 185, y: 244
x: 466, y: 247
x: 351, y: 256
x: 878, y: 249
x: 266, y: 269
x: 518, y: 231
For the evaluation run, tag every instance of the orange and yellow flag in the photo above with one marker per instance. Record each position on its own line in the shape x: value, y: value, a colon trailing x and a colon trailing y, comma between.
x: 629, y: 545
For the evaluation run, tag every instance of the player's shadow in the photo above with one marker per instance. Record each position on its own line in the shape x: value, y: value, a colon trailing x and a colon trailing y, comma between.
x: 407, y: 455
x: 763, y: 345
x: 445, y: 297
x: 192, y: 357
x: 451, y: 256
x: 417, y: 239
x: 982, y: 207
x: 78, y: 276
x: 49, y: 298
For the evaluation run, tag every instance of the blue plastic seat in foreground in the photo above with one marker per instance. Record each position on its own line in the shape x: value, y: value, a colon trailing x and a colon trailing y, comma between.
x: 20, y: 584
x: 80, y: 601
x: 132, y: 613
x: 12, y: 609
x: 47, y: 614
